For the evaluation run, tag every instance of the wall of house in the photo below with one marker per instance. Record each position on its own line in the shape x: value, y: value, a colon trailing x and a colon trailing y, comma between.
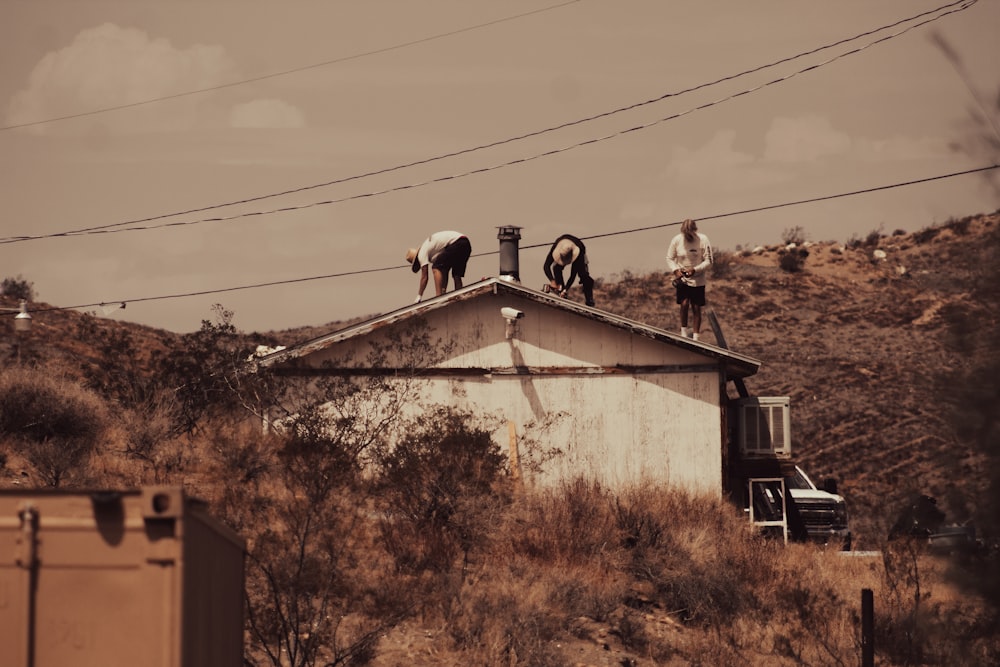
x: 560, y: 380
x: 618, y: 429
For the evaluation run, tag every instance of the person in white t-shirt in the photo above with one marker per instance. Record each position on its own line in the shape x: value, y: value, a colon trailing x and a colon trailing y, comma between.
x: 688, y: 259
x: 443, y: 253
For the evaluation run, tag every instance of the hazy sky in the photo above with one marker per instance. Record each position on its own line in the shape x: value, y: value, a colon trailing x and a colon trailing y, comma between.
x: 308, y: 97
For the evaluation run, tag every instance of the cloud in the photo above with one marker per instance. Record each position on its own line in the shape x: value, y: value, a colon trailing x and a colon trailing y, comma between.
x: 269, y: 113
x: 803, y: 139
x: 717, y: 161
x: 109, y: 66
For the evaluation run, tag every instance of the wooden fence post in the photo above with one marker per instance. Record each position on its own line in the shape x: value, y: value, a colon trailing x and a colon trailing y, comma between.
x: 867, y: 628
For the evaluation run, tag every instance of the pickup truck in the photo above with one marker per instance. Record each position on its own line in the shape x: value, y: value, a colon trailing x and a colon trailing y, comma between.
x: 822, y: 511
x: 815, y: 514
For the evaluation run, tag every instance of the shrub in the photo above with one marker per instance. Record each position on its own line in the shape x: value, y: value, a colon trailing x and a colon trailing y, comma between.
x: 793, y: 260
x: 438, y: 484
x: 874, y: 236
x: 960, y: 227
x: 926, y: 234
x: 722, y: 264
x: 54, y: 424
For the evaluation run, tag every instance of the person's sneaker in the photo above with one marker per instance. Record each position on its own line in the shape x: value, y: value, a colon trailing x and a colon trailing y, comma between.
x: 696, y: 336
x: 590, y: 303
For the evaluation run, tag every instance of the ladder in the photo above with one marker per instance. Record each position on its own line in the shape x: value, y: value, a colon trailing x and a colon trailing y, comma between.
x: 765, y: 510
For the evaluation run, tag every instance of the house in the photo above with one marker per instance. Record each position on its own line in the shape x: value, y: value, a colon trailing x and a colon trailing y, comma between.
x: 607, y: 397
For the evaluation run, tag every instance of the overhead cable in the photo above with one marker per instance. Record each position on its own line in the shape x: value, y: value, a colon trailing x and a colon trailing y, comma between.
x: 633, y: 230
x: 126, y: 226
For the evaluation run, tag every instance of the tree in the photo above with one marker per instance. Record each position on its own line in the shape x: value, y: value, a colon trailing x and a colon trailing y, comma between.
x: 202, y: 369
x: 18, y: 288
x: 311, y: 511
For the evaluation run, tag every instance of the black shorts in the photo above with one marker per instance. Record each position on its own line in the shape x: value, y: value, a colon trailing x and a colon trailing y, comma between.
x: 455, y: 256
x: 693, y: 295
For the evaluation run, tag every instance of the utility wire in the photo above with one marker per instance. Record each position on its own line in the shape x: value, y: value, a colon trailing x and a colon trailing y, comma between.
x: 114, y: 227
x: 294, y: 70
x: 480, y: 170
x: 633, y: 230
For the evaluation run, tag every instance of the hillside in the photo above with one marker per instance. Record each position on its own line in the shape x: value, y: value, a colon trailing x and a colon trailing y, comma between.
x: 857, y: 338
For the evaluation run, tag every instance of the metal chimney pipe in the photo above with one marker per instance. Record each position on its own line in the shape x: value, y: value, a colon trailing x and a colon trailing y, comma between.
x: 509, y: 237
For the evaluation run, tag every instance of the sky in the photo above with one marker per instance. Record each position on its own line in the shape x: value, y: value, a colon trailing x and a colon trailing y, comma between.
x: 279, y: 157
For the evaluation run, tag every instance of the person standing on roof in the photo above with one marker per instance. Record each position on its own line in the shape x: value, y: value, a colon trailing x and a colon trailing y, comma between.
x: 443, y: 252
x: 569, y: 251
x: 688, y: 259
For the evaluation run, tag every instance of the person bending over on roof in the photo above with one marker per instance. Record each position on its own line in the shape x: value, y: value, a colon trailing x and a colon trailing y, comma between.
x: 443, y: 252
x: 569, y: 251
x: 688, y: 259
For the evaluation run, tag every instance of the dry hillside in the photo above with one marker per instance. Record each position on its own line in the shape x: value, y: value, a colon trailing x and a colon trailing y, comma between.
x: 857, y: 338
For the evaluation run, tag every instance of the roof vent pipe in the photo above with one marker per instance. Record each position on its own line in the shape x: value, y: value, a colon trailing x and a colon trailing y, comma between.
x: 509, y: 237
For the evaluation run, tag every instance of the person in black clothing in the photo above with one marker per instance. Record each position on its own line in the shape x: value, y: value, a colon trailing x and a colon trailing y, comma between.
x: 569, y: 251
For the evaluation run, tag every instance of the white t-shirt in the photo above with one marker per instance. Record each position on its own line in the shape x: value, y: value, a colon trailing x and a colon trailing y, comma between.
x: 435, y: 243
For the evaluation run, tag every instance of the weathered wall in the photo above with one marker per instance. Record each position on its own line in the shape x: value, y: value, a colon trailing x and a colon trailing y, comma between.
x: 618, y: 429
x: 621, y: 407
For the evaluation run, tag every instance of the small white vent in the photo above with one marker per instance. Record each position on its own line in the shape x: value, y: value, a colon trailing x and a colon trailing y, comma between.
x: 764, y: 426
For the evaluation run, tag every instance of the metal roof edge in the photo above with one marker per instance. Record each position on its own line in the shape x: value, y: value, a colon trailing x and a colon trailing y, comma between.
x: 737, y: 364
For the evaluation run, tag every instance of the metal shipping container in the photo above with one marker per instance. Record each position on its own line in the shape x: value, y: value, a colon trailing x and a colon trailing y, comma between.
x: 104, y: 578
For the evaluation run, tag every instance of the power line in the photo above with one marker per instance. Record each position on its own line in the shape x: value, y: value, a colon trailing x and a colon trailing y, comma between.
x: 633, y: 230
x: 294, y: 70
x: 953, y: 7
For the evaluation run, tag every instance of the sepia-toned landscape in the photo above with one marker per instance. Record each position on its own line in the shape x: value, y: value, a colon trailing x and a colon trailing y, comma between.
x: 430, y: 554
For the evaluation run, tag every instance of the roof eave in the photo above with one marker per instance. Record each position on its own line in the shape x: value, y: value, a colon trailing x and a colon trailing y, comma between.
x: 736, y: 365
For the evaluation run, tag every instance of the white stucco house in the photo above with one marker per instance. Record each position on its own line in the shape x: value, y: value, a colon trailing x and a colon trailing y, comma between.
x: 621, y: 401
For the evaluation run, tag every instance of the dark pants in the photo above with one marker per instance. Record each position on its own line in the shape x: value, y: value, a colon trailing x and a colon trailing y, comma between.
x: 583, y: 271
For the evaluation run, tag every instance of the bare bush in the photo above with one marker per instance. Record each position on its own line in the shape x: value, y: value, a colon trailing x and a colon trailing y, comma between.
x: 795, y: 235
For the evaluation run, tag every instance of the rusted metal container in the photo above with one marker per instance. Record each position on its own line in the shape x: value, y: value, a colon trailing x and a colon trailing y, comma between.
x: 138, y: 577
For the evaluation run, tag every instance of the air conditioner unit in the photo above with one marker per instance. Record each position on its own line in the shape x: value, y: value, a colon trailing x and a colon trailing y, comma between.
x: 764, y: 426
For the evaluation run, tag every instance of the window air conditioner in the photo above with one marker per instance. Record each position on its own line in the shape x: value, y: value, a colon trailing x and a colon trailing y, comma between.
x: 764, y: 426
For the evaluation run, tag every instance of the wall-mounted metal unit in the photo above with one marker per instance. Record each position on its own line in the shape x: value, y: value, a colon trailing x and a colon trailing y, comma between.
x: 140, y: 577
x: 764, y: 426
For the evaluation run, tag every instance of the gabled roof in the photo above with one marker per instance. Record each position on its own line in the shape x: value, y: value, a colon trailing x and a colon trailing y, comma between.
x: 737, y: 365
